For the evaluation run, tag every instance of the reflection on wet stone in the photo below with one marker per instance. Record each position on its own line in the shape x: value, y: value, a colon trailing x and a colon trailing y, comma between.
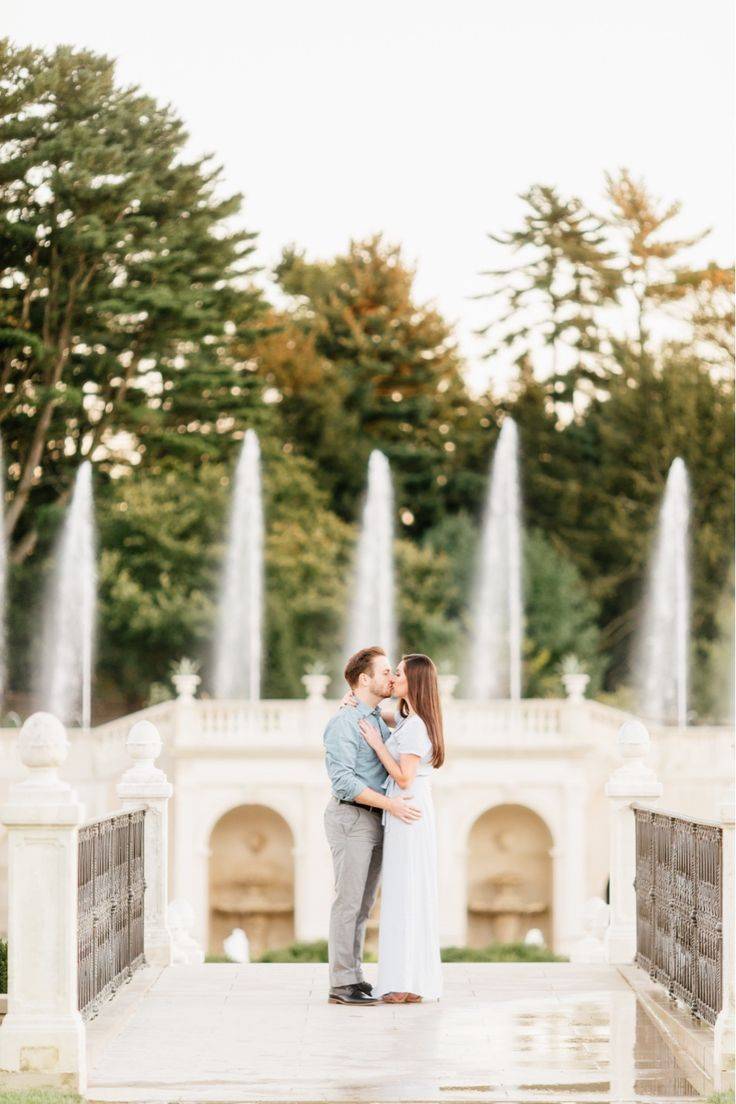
x: 501, y: 1035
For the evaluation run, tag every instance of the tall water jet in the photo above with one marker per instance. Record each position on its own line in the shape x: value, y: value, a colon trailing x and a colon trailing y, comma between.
x: 665, y: 635
x: 495, y: 659
x: 3, y: 580
x: 238, y: 641
x: 372, y: 617
x: 69, y: 612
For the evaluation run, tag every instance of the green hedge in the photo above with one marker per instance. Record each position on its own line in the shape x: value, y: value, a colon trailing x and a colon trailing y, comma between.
x: 501, y: 952
x: 3, y: 966
x: 494, y: 952
x: 40, y: 1096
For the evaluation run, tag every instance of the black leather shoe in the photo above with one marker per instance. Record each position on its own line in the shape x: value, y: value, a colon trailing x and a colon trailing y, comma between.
x: 351, y: 994
x: 365, y: 987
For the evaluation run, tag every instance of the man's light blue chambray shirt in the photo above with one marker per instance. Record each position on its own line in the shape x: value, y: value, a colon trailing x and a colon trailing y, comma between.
x: 351, y: 763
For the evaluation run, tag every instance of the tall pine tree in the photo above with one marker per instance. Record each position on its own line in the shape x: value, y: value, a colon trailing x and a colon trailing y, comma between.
x: 122, y: 283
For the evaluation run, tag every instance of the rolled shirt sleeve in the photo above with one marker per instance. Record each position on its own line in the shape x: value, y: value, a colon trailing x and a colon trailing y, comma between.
x: 342, y: 741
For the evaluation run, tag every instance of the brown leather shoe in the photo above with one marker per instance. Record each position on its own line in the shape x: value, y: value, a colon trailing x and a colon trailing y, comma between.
x: 413, y: 998
x: 394, y: 998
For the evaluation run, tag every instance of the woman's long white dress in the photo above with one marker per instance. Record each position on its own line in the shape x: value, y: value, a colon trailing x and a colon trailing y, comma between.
x: 408, y: 939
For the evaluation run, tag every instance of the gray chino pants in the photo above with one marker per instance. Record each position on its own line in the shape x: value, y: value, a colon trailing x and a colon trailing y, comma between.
x: 355, y: 836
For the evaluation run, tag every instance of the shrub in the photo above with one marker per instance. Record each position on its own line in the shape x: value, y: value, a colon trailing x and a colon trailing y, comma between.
x: 298, y: 952
x: 495, y: 952
x: 501, y: 952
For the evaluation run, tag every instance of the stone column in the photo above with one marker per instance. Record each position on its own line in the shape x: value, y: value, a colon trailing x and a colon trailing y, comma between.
x: 724, y: 1042
x: 42, y: 1039
x: 632, y: 782
x: 145, y: 785
x: 570, y: 866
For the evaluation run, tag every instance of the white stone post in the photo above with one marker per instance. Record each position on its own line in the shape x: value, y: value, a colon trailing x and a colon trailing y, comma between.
x: 185, y: 709
x: 145, y: 785
x: 632, y: 782
x: 42, y: 1039
x: 724, y: 1040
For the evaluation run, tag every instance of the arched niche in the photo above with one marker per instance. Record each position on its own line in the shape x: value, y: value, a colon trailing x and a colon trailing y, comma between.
x: 509, y: 876
x: 251, y: 879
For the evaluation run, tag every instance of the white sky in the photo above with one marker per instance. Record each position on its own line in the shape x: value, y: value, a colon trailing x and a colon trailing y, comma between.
x: 425, y: 119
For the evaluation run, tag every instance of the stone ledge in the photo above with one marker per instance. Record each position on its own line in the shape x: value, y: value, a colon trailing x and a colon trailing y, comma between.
x: 690, y: 1039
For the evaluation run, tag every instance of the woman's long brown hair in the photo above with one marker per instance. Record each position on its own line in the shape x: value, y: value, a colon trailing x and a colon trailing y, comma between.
x: 421, y: 676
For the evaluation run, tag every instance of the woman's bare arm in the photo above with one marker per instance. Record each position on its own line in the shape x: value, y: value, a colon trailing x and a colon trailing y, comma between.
x: 403, y: 773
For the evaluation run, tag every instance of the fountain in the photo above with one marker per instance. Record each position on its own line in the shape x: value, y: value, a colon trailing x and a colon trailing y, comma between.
x: 495, y: 660
x: 665, y: 636
x: 3, y: 579
x: 69, y: 612
x: 240, y: 616
x: 372, y: 617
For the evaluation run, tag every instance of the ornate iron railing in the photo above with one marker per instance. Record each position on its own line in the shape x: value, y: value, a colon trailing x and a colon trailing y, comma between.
x: 679, y: 907
x: 110, y: 906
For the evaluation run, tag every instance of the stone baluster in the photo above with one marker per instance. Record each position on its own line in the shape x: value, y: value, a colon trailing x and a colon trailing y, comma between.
x: 145, y: 785
x: 42, y: 1039
x: 724, y: 1041
x: 632, y: 782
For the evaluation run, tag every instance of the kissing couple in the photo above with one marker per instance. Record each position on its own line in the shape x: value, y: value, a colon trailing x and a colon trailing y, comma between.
x: 380, y: 821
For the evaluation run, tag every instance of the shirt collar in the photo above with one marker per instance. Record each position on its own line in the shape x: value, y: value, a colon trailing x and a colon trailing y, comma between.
x: 365, y: 710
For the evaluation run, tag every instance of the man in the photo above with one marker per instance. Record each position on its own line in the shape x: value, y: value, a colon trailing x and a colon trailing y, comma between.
x: 353, y: 821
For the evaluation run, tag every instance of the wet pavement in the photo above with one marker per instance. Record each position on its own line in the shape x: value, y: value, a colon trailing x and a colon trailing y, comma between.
x: 502, y: 1032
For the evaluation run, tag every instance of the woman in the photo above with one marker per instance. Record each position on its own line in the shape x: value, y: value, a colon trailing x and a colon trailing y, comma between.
x: 409, y: 967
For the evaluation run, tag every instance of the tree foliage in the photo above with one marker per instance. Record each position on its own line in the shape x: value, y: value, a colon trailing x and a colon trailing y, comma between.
x: 132, y: 333
x: 122, y: 285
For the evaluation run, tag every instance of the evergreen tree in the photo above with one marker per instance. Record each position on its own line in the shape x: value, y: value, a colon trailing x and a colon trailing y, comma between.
x: 650, y: 270
x: 551, y: 300
x: 390, y: 378
x: 655, y: 413
x: 560, y: 619
x: 122, y: 284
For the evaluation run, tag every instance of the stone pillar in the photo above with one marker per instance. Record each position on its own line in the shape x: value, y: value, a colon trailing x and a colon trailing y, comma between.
x: 42, y: 1039
x: 145, y: 785
x: 569, y: 857
x: 632, y: 782
x: 724, y: 1042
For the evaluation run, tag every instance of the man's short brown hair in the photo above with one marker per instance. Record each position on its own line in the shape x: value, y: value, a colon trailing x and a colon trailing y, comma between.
x: 361, y: 662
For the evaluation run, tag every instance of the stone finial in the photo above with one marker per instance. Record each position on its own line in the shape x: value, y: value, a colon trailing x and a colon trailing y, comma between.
x: 316, y: 685
x: 634, y: 777
x: 144, y: 747
x: 632, y: 739
x: 43, y: 746
x: 186, y: 685
x: 575, y: 683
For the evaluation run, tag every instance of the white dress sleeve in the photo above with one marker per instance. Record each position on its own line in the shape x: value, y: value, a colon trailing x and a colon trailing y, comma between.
x: 413, y: 738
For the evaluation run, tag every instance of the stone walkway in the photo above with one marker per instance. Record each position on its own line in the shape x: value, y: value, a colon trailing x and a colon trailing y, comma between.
x: 531, y: 1033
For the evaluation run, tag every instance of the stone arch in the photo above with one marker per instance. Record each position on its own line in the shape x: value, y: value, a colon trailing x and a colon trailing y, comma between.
x: 510, y: 886
x: 251, y: 878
